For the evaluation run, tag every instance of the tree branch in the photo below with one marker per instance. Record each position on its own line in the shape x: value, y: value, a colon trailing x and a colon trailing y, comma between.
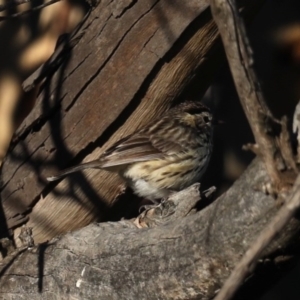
x: 183, y: 259
x: 239, y: 54
x: 250, y: 258
x: 272, y: 136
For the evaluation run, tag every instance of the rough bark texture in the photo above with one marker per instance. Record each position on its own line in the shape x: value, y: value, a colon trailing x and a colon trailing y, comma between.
x: 273, y: 142
x: 277, y: 155
x: 185, y: 259
x: 131, y: 61
x: 87, y: 100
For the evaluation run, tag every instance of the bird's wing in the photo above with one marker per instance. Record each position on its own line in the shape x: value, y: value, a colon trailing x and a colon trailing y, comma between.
x: 143, y: 146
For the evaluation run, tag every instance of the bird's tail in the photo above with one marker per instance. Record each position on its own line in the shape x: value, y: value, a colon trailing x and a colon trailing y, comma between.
x: 95, y: 164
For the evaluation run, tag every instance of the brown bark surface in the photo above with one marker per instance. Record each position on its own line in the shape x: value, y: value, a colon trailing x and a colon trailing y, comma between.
x: 122, y: 50
x: 131, y: 61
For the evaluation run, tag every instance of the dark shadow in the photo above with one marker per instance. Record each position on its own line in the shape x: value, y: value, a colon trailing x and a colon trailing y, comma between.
x: 4, y: 232
x: 63, y: 156
x: 41, y: 265
x: 125, y: 206
x: 268, y: 275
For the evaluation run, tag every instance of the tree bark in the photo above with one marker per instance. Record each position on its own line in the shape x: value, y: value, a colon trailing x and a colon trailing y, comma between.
x: 131, y: 60
x: 188, y: 258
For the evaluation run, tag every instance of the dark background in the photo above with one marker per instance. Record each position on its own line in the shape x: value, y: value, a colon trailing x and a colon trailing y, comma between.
x: 278, y: 69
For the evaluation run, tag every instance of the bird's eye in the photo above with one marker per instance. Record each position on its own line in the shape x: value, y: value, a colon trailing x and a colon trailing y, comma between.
x: 206, y: 119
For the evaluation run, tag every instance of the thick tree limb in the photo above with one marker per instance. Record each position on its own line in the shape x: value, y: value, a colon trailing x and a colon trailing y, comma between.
x: 113, y: 85
x: 190, y: 257
x: 187, y: 258
x: 250, y: 258
x: 102, y: 88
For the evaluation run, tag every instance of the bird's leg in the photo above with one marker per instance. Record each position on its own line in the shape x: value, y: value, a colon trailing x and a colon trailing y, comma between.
x: 155, y: 202
x: 146, y: 207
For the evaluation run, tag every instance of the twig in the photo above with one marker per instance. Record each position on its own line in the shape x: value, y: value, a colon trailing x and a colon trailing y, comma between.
x: 285, y: 145
x: 3, y: 18
x: 296, y: 128
x: 255, y: 251
x: 264, y: 126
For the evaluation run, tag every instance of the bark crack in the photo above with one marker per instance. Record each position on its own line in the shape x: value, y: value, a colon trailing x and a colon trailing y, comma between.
x: 107, y: 60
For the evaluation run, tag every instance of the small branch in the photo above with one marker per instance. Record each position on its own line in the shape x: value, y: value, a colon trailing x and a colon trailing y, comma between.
x: 296, y: 128
x: 3, y: 18
x: 285, y: 145
x: 265, y: 238
x: 264, y: 126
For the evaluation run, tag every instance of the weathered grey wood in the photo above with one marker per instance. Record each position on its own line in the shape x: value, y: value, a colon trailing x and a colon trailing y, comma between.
x: 185, y: 259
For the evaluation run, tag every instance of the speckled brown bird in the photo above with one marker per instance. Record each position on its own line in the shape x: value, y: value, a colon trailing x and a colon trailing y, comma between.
x: 169, y: 154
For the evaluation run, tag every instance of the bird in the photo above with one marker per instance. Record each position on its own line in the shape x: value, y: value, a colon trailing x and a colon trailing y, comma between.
x: 169, y: 154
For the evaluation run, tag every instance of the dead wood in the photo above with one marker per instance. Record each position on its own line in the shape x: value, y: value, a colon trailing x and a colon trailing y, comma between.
x: 268, y: 132
x: 110, y: 87
x: 186, y: 259
x: 273, y: 143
